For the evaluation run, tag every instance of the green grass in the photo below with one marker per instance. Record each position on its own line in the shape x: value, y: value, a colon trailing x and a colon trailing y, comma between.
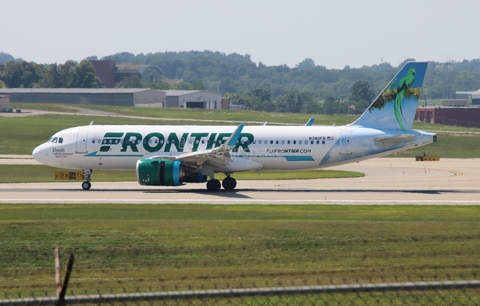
x: 155, y: 247
x: 51, y: 107
x: 40, y: 173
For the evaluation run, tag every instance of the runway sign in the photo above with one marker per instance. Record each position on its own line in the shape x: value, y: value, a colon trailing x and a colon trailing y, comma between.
x: 68, y: 175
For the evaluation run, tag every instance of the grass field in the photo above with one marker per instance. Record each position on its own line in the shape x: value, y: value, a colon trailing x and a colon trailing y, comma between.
x: 162, y: 247
x: 40, y: 173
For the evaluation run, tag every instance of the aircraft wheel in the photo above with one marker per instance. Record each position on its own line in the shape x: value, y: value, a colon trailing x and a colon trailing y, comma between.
x: 86, y: 185
x: 213, y: 185
x: 229, y: 183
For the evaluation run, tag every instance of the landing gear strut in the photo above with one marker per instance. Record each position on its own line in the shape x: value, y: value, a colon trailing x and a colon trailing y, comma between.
x: 87, y: 174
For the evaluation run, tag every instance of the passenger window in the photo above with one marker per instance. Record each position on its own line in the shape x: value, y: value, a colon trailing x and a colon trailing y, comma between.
x: 259, y: 142
x: 276, y: 142
x: 299, y: 142
x: 288, y: 141
x: 93, y: 140
x: 294, y: 142
x: 283, y: 142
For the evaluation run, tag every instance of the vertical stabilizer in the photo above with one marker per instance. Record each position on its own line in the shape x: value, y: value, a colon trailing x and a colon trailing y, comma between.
x: 396, y: 105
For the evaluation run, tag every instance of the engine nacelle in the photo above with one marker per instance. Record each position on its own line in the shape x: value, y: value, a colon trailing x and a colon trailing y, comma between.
x: 159, y: 172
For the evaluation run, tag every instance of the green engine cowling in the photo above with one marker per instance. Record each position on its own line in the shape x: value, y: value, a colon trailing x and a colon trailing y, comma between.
x: 159, y: 172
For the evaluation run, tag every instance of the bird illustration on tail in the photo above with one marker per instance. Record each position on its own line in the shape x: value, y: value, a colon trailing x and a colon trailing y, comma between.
x: 405, y: 82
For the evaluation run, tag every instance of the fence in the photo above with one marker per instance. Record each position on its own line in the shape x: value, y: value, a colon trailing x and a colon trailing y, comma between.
x: 378, y: 293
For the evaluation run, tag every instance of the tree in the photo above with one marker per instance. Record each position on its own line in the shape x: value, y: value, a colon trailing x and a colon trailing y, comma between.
x: 362, y: 96
x: 51, y: 78
x: 329, y: 106
x: 84, y: 76
x: 132, y: 81
x: 66, y: 73
x: 467, y: 80
x: 292, y: 102
x: 306, y: 64
x: 158, y: 86
x: 260, y: 100
x: 312, y: 106
x: 19, y: 74
x: 5, y: 58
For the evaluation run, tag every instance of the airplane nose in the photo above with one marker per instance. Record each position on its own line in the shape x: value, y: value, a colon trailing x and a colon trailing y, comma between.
x: 39, y: 153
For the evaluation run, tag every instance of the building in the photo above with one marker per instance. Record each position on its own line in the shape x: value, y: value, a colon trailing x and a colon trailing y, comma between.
x: 457, y: 116
x: 98, y: 96
x: 110, y: 73
x: 193, y: 99
x: 476, y: 97
x: 456, y: 102
x: 4, y: 103
x: 225, y: 103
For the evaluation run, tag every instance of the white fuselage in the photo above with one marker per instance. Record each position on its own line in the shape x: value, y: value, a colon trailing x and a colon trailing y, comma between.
x: 119, y: 147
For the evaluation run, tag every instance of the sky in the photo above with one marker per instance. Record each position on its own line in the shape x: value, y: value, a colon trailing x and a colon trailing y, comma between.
x: 333, y: 33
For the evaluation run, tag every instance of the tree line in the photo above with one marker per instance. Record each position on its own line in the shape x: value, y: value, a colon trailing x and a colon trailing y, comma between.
x: 305, y: 88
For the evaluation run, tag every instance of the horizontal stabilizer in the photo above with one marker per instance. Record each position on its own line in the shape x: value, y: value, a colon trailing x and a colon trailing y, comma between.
x: 395, y: 140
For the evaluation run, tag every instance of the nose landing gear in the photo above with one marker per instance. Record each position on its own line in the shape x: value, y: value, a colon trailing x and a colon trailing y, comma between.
x: 87, y: 173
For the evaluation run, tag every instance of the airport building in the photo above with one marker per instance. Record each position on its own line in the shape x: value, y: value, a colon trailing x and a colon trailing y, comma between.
x: 457, y: 116
x: 4, y: 103
x: 193, y: 99
x: 139, y: 97
x: 95, y: 96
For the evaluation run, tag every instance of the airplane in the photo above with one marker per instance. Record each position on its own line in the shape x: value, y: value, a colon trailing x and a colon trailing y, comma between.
x: 169, y: 155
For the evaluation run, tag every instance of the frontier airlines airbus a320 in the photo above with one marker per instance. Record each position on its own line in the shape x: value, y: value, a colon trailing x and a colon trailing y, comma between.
x: 169, y: 155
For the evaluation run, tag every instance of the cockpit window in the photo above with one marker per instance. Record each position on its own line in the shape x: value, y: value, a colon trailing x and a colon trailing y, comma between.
x: 54, y: 139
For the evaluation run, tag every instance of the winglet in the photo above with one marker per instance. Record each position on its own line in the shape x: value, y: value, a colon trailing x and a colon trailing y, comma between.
x: 231, y: 141
x: 310, y: 121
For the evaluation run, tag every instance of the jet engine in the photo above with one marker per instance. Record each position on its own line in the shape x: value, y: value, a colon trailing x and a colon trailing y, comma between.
x: 159, y: 172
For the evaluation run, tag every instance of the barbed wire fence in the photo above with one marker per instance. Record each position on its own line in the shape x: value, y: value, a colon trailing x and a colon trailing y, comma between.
x: 278, y: 291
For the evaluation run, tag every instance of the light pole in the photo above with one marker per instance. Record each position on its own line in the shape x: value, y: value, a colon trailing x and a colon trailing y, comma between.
x: 425, y: 109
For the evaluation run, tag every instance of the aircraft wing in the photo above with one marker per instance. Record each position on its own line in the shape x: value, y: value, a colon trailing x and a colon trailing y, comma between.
x: 219, y: 156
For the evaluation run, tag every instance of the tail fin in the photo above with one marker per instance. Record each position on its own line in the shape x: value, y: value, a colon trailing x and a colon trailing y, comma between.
x: 395, y: 107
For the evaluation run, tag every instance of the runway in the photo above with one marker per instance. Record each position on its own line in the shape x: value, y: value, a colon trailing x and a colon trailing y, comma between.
x: 387, y: 181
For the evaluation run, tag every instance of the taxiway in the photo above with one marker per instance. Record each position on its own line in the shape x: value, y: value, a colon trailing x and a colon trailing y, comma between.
x: 387, y: 181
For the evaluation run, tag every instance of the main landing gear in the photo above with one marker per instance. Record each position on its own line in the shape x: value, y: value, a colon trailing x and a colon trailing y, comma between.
x: 87, y: 173
x: 229, y: 183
